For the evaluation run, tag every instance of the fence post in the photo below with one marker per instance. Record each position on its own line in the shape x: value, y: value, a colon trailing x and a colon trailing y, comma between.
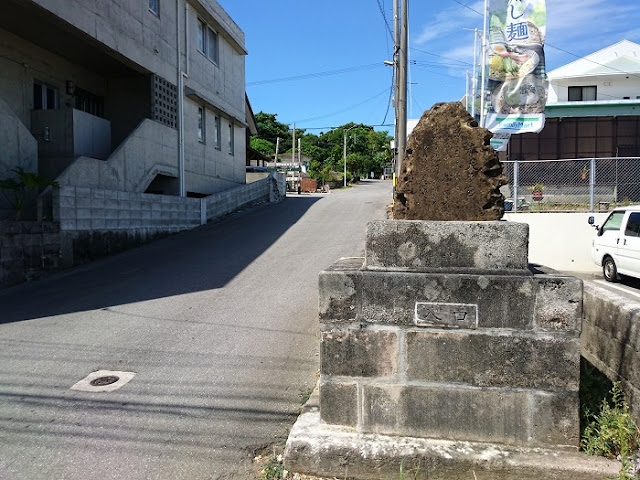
x: 516, y: 168
x: 592, y: 184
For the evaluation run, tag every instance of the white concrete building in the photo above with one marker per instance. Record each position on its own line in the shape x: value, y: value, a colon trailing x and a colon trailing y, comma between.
x: 608, y: 75
x: 128, y: 95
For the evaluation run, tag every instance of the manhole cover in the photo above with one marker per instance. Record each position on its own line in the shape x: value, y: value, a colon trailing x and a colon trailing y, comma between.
x: 102, y: 381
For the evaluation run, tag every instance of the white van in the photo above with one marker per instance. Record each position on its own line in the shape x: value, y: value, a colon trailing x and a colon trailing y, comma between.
x: 616, y: 246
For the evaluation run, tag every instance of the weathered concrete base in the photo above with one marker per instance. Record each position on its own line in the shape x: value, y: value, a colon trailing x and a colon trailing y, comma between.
x: 316, y: 448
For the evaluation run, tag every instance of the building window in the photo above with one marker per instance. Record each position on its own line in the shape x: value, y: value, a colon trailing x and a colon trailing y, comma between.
x: 88, y: 102
x: 583, y: 94
x: 201, y: 125
x: 231, y: 140
x: 207, y: 41
x: 154, y: 6
x: 45, y: 97
x: 217, y: 131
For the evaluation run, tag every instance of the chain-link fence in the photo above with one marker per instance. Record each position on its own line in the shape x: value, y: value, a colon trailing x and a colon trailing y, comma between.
x: 568, y: 185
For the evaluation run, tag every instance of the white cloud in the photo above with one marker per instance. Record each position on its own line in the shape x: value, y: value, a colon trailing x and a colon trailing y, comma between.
x: 450, y: 21
x: 580, y: 28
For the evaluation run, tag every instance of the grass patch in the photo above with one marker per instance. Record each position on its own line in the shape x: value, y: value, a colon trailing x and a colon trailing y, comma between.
x: 594, y: 388
x: 305, y: 394
x: 273, y: 469
x: 607, y: 427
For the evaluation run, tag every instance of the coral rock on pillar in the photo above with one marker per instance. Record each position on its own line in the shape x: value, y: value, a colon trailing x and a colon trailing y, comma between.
x: 450, y: 171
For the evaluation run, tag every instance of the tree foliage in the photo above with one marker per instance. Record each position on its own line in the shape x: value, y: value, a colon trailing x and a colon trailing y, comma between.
x: 263, y: 146
x: 367, y: 150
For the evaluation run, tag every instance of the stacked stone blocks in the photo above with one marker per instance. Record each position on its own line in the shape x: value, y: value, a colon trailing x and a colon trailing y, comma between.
x: 91, y: 209
x: 27, y: 250
x: 223, y: 203
x: 441, y: 331
x: 610, y: 340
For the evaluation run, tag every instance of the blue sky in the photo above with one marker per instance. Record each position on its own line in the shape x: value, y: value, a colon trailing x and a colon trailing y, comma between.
x: 313, y: 40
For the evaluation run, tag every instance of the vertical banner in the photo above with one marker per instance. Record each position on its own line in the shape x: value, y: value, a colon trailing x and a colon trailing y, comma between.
x: 517, y: 75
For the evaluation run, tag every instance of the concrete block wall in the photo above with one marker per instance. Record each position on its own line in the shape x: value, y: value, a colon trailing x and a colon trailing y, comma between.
x: 96, y: 222
x: 484, y: 352
x: 93, y: 209
x: 270, y: 189
x: 27, y: 250
x: 610, y: 340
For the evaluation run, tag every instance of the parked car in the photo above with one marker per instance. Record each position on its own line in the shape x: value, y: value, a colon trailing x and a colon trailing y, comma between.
x: 616, y: 246
x: 254, y: 169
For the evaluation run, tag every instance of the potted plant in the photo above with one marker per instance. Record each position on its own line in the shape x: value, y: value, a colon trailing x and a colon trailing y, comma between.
x: 536, y: 191
x: 584, y: 173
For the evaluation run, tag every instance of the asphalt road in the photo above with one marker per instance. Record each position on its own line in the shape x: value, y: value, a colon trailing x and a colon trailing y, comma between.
x: 219, y: 325
x: 627, y: 287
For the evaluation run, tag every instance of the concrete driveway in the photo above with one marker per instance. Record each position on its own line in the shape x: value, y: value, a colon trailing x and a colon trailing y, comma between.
x: 218, y: 324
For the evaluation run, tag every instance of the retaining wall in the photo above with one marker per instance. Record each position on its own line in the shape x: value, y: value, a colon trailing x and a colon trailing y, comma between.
x: 93, y: 222
x: 270, y: 189
x: 27, y: 249
x: 610, y: 339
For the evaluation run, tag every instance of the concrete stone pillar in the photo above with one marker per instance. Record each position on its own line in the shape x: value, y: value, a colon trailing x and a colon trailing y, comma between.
x: 442, y: 331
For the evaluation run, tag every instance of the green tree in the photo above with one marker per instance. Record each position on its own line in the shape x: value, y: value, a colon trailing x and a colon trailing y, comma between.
x: 263, y: 146
x: 270, y: 129
x: 367, y: 150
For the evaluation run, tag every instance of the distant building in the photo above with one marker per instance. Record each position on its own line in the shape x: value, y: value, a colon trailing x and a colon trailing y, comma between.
x: 593, y: 109
x: 93, y: 93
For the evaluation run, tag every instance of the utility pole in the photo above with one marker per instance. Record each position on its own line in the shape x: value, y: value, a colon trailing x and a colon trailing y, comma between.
x: 299, y: 166
x: 396, y: 83
x: 484, y: 67
x: 277, y: 147
x: 474, y: 80
x: 293, y: 146
x: 466, y: 90
x: 401, y: 116
x: 344, y: 158
x: 344, y: 152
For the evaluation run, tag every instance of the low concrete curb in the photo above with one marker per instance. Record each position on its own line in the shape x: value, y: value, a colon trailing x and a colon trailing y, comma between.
x: 316, y: 448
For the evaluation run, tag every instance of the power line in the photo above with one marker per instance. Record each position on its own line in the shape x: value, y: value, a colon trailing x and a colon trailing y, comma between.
x: 384, y: 17
x: 592, y: 61
x: 440, y: 56
x: 351, y: 107
x: 436, y: 73
x: 339, y: 126
x: 327, y: 73
x: 389, y: 102
x: 434, y: 64
x: 467, y: 6
x: 417, y: 103
x: 558, y: 48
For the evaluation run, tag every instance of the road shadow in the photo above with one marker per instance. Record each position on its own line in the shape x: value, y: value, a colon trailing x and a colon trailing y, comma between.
x: 204, y: 258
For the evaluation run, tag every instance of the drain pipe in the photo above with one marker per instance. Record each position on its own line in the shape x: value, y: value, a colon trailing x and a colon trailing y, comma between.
x: 181, y: 76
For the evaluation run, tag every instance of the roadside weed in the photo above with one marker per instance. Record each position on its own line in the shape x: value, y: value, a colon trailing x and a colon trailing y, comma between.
x: 613, y: 433
x: 411, y: 474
